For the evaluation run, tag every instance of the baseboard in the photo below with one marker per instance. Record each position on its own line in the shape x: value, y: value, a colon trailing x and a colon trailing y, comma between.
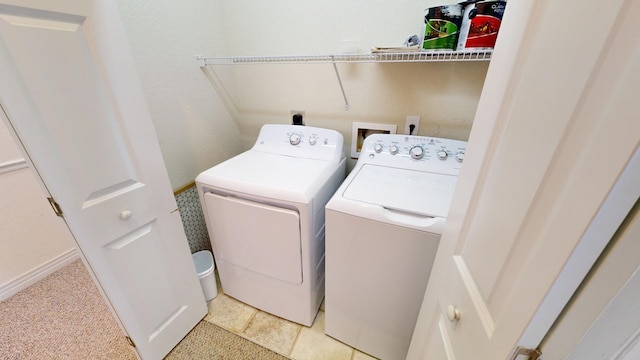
x: 13, y: 165
x: 31, y: 277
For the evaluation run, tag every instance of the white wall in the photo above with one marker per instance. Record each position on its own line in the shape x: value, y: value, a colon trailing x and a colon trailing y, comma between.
x: 33, y: 241
x: 296, y: 27
x: 194, y: 129
x: 445, y: 95
x: 199, y: 124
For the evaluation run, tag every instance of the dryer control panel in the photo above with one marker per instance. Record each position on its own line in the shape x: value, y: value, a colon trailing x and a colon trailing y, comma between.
x: 300, y: 141
x: 419, y: 152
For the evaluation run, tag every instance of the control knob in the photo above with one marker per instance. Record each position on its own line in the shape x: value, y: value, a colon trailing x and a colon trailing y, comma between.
x: 460, y: 156
x: 294, y: 139
x: 416, y: 152
x: 442, y: 154
x: 313, y: 140
x: 393, y: 149
x: 377, y: 148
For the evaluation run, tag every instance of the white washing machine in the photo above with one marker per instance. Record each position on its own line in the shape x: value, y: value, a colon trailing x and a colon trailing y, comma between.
x: 264, y: 210
x: 383, y: 229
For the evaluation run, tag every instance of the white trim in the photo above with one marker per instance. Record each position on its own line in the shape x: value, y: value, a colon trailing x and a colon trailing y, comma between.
x: 13, y: 165
x: 34, y: 275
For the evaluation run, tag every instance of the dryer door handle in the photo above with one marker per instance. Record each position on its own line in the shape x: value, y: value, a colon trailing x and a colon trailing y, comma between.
x: 422, y: 221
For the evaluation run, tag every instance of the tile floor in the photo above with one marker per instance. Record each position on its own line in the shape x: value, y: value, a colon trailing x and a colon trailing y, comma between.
x: 284, y: 337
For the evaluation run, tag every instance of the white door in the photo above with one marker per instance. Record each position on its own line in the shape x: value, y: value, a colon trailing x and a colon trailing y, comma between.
x: 70, y: 92
x: 538, y: 196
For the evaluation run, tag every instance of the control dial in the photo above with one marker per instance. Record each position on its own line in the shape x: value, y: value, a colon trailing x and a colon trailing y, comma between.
x: 294, y: 139
x: 460, y: 156
x: 442, y: 154
x: 416, y: 152
x: 313, y: 140
x: 394, y: 149
x: 377, y: 148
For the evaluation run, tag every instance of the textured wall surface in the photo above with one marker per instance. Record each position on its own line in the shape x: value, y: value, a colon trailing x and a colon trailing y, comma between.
x: 193, y: 220
x: 194, y: 128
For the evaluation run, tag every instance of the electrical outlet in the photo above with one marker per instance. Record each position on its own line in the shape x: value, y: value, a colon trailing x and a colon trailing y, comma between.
x: 294, y: 116
x: 412, y: 120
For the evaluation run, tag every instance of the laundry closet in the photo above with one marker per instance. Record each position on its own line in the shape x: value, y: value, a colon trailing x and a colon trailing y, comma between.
x: 203, y: 116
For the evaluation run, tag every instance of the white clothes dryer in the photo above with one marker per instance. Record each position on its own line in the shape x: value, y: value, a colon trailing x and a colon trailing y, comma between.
x: 383, y: 230
x: 264, y: 211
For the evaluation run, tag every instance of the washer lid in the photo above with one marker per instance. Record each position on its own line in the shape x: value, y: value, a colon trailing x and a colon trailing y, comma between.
x: 417, y: 192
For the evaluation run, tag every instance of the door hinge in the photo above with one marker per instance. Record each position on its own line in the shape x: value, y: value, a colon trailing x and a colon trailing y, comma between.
x: 130, y: 341
x: 533, y: 354
x: 56, y: 207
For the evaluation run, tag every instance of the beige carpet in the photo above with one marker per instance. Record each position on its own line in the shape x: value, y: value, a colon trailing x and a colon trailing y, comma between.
x: 64, y: 317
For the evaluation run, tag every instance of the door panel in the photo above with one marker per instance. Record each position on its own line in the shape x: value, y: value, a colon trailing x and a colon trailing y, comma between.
x: 81, y: 118
x: 438, y: 345
x: 80, y: 122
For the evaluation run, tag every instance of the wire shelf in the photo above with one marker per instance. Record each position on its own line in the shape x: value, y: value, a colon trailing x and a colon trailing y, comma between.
x: 412, y: 56
x: 375, y: 57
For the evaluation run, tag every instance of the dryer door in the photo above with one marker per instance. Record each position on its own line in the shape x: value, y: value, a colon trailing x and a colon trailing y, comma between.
x: 258, y: 237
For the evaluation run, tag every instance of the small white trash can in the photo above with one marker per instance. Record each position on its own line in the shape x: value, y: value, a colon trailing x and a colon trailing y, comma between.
x: 204, y: 267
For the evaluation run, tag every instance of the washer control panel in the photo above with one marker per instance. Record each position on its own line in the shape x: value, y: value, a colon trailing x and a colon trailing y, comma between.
x: 439, y: 154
